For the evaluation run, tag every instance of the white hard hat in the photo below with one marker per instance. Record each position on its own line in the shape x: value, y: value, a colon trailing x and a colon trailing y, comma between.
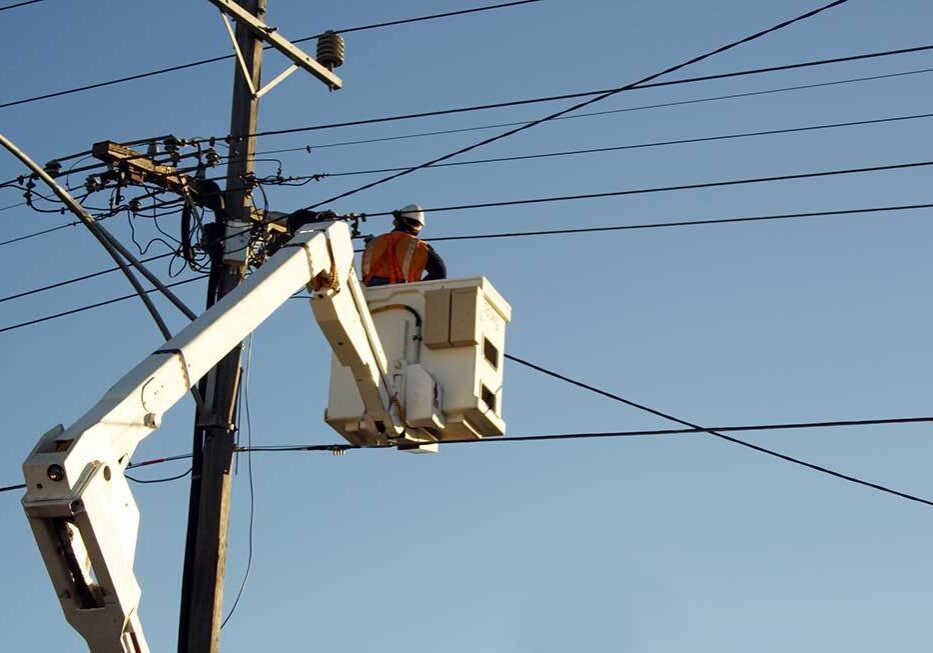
x: 411, y: 212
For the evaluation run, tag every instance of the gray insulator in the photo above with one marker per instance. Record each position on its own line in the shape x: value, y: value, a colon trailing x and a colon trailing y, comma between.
x: 330, y: 50
x: 53, y: 167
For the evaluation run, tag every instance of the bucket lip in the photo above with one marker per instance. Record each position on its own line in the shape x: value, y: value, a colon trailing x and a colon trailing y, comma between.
x: 496, y: 300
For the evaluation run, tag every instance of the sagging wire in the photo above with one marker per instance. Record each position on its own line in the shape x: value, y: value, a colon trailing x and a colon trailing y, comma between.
x: 249, y: 472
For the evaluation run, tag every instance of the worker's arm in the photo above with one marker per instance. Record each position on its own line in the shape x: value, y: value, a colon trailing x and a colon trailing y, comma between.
x: 435, y: 268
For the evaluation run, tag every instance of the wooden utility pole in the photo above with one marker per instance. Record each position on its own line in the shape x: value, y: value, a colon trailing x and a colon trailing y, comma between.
x: 215, y: 424
x: 215, y: 431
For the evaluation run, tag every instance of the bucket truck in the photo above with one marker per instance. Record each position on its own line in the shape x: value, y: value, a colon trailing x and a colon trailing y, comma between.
x: 414, y: 364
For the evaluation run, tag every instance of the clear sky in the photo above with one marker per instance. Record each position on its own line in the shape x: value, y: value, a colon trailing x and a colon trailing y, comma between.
x: 652, y: 544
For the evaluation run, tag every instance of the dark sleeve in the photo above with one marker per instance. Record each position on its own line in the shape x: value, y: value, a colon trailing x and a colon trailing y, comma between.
x: 436, y: 269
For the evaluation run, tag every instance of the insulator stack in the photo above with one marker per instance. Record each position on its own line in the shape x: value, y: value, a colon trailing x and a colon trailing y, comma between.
x: 54, y: 168
x: 330, y: 50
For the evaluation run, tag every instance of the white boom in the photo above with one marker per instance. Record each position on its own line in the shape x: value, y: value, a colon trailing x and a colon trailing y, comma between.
x: 78, y: 501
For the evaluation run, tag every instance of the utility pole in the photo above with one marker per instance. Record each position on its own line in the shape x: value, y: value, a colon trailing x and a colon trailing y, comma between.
x: 215, y: 432
x: 215, y: 423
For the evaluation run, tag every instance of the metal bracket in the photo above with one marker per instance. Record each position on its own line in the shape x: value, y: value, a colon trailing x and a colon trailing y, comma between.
x: 239, y: 54
x: 270, y: 35
x: 245, y: 70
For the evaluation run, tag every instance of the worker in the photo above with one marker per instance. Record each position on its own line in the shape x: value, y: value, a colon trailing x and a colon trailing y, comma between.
x: 400, y: 256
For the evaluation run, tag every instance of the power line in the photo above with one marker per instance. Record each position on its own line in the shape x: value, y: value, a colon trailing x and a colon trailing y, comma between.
x: 663, y: 189
x: 121, y: 256
x: 569, y: 96
x: 590, y: 114
x: 571, y: 117
x: 38, y: 233
x: 596, y: 435
x: 83, y: 277
x: 638, y: 191
x: 252, y: 489
x: 637, y: 146
x: 585, y: 103
x: 203, y: 62
x: 20, y: 4
x: 891, y: 119
x: 716, y: 98
x: 684, y: 223
x: 578, y: 230
x: 81, y: 309
x: 551, y: 98
x: 716, y: 433
x: 159, y: 480
x: 147, y: 463
x: 405, y: 21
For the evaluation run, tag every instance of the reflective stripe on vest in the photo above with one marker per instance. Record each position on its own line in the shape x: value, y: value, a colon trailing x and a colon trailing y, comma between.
x: 396, y: 256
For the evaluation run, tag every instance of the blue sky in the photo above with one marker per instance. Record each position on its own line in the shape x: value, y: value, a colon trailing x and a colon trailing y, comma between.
x: 638, y: 544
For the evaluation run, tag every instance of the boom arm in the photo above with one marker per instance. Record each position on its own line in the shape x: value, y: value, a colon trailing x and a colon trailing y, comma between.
x: 78, y: 501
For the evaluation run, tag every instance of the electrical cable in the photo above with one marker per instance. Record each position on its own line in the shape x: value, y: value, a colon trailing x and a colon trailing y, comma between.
x: 343, y: 447
x: 664, y: 189
x: 252, y: 489
x: 638, y: 191
x: 20, y: 4
x: 581, y: 230
x: 717, y: 433
x: 568, y: 96
x: 684, y: 223
x: 590, y: 114
x: 88, y: 307
x: 552, y: 98
x: 202, y: 62
x: 585, y: 103
x: 159, y: 480
x: 599, y: 435
x: 116, y: 251
x: 732, y: 182
x: 147, y: 463
x: 636, y: 146
x: 66, y: 282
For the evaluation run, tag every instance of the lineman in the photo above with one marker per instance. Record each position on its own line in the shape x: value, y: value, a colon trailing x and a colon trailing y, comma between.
x: 400, y: 256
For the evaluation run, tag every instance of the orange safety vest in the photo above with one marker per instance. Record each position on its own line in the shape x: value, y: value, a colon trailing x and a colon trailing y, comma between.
x: 396, y: 256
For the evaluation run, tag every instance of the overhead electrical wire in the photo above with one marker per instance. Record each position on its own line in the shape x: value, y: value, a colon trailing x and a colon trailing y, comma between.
x: 716, y: 432
x: 552, y: 98
x: 637, y: 146
x: 580, y: 105
x: 557, y: 437
x: 120, y: 255
x: 310, y: 148
x: 89, y: 307
x: 20, y: 4
x: 36, y: 234
x: 703, y: 185
x: 166, y: 479
x: 203, y: 62
x: 547, y: 232
x: 508, y: 124
x: 252, y: 488
x: 639, y: 191
x: 662, y: 143
x: 664, y: 189
x: 682, y: 223
x: 568, y: 96
x: 83, y: 277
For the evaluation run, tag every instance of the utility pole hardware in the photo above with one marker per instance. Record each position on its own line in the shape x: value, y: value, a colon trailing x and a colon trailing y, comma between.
x: 215, y: 430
